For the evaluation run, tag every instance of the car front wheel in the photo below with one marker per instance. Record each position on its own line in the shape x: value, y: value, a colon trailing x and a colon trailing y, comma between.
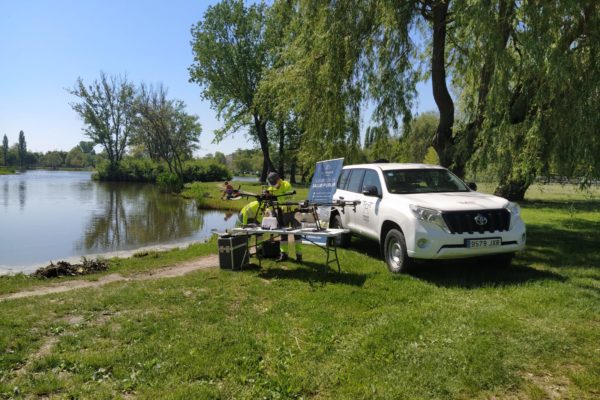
x: 395, y: 254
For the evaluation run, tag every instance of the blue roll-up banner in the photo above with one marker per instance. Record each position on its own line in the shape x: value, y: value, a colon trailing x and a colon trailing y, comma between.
x: 322, y: 188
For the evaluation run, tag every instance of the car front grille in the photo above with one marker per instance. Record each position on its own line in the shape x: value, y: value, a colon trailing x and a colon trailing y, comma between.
x: 477, y: 221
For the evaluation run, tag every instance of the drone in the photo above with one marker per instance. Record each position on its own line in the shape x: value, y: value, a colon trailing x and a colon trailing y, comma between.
x: 267, y: 201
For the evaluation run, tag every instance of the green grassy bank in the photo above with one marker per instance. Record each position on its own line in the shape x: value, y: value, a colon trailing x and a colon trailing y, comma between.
x: 7, y: 171
x: 452, y: 330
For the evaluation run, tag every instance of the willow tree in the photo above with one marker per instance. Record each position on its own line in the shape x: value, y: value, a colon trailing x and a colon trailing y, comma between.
x: 314, y: 77
x: 230, y: 59
x: 530, y: 76
x: 340, y: 55
x: 526, y: 73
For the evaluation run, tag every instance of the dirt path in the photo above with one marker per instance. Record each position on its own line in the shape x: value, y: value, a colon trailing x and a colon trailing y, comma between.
x: 166, y: 272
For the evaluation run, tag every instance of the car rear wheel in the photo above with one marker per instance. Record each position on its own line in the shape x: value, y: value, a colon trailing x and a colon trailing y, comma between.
x: 343, y: 240
x: 395, y: 254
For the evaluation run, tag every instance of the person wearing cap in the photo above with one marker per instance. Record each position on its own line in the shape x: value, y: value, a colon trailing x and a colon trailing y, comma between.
x: 279, y: 187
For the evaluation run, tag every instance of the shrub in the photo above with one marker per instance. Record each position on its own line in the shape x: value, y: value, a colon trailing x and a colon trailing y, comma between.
x: 129, y: 170
x: 145, y: 170
x: 205, y: 171
x: 169, y: 182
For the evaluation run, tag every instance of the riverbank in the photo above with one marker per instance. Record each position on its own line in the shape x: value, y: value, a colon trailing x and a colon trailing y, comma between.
x: 455, y: 330
x: 7, y: 171
x: 120, y: 254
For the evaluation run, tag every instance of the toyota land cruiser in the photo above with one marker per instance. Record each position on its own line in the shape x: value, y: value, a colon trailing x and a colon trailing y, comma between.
x: 418, y: 211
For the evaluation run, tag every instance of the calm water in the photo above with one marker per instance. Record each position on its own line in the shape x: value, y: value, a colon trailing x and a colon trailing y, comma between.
x: 56, y: 215
x: 245, y: 179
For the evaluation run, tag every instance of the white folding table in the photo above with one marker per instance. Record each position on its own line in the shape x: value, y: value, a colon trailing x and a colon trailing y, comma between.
x: 330, y: 247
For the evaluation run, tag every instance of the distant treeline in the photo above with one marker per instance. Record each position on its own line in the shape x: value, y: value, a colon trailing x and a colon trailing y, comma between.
x: 17, y: 156
x: 134, y: 167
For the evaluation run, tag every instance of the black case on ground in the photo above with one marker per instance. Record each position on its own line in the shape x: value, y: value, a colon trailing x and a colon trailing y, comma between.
x: 233, y: 252
x: 270, y: 249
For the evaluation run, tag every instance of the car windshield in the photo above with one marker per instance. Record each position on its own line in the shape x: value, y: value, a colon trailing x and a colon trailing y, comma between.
x: 405, y: 181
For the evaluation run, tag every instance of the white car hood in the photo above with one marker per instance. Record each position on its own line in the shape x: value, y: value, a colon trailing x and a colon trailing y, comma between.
x: 457, y: 201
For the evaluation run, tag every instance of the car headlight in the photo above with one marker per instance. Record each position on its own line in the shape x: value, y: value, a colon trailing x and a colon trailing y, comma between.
x: 513, y: 208
x: 515, y: 212
x: 430, y: 215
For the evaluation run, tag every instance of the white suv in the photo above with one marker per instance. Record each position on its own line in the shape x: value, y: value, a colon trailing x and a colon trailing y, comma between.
x: 418, y: 211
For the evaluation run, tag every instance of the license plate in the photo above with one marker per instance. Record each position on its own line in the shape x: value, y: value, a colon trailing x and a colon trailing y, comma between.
x: 484, y: 243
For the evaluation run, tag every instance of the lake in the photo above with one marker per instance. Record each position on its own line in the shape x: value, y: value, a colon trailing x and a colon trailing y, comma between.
x: 57, y: 215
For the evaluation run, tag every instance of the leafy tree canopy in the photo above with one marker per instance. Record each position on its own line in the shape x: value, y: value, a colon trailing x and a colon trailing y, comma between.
x: 230, y: 57
x: 106, y: 109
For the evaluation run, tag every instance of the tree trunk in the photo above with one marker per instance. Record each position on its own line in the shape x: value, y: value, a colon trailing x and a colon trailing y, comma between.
x: 304, y: 175
x: 281, y: 166
x: 293, y: 170
x: 513, y: 190
x: 261, y: 132
x: 442, y: 141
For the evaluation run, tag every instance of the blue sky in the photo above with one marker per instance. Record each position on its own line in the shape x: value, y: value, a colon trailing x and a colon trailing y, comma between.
x: 46, y: 45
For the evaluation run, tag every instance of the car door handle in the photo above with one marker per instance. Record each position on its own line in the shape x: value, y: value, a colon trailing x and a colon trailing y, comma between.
x: 341, y: 197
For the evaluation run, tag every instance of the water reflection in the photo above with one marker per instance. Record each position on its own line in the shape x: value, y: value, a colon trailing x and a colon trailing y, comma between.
x: 135, y: 215
x: 54, y: 215
x: 5, y: 194
x: 228, y: 215
x: 22, y: 193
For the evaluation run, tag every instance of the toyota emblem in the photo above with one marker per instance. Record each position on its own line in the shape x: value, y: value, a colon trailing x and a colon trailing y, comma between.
x: 480, y: 220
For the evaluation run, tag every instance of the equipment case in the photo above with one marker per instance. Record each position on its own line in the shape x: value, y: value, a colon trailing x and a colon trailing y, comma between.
x: 233, y: 252
x: 270, y: 249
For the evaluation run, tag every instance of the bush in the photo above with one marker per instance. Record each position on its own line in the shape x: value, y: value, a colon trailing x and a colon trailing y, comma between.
x: 129, y: 170
x: 169, y: 182
x: 205, y: 171
x: 145, y: 170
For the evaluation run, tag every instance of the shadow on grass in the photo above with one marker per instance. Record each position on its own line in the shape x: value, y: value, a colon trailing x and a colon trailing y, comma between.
x: 551, y: 247
x: 575, y: 245
x: 365, y: 246
x: 565, y: 205
x: 314, y: 274
x: 475, y: 273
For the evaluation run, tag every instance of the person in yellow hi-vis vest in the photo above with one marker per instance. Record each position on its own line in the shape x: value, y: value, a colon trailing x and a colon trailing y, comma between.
x: 280, y: 187
x: 249, y: 214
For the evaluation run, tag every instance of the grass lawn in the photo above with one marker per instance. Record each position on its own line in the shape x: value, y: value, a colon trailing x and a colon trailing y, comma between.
x: 453, y: 330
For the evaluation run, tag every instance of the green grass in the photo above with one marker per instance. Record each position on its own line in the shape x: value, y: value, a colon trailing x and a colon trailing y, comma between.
x: 7, y: 171
x: 554, y: 192
x: 149, y: 260
x: 452, y: 330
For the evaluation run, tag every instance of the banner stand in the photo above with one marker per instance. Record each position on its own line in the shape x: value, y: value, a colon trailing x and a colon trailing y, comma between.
x: 322, y: 189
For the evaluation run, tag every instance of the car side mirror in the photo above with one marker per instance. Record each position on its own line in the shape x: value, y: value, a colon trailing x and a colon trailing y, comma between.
x: 472, y: 185
x: 371, y: 191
